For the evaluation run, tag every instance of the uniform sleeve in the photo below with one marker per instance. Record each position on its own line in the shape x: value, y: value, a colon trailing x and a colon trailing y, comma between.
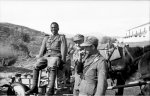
x: 80, y: 67
x: 63, y: 48
x: 102, y: 78
x: 43, y: 47
x: 71, y: 49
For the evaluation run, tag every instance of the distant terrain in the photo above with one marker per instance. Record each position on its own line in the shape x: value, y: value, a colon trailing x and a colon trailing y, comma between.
x: 18, y: 43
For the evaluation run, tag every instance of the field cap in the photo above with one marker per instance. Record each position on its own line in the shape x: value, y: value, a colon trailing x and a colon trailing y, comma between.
x: 90, y: 40
x: 78, y: 37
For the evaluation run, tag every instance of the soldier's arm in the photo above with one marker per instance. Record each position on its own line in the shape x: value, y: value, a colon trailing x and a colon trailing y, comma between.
x: 102, y: 78
x: 71, y: 49
x: 43, y: 47
x: 81, y: 60
x: 63, y: 48
x: 80, y: 67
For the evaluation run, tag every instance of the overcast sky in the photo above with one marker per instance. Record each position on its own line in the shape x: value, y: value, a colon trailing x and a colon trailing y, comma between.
x: 111, y: 18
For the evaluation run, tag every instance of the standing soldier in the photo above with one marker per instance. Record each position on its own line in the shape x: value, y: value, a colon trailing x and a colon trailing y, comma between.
x: 78, y: 39
x: 52, y: 54
x: 94, y: 72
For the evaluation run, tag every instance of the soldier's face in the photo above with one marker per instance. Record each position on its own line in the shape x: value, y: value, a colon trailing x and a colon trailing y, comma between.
x: 88, y: 49
x: 54, y: 29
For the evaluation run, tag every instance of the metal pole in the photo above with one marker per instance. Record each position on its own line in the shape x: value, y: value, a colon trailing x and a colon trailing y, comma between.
x: 129, y: 85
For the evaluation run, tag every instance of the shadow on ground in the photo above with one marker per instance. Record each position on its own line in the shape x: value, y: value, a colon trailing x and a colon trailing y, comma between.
x: 14, y: 69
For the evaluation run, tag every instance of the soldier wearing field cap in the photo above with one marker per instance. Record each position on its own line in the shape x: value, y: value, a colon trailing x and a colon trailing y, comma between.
x: 52, y: 54
x: 94, y: 72
x: 78, y: 39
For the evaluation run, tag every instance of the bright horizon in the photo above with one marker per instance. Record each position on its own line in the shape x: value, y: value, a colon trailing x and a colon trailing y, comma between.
x: 106, y: 18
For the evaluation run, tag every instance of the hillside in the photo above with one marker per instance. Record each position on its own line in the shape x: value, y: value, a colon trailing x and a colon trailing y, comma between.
x: 18, y: 43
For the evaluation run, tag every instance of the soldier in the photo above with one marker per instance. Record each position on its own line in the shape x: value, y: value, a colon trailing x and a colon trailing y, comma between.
x: 94, y: 72
x: 78, y: 39
x: 52, y: 54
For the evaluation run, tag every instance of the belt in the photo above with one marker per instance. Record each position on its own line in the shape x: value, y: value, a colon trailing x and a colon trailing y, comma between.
x: 90, y: 79
x: 54, y: 53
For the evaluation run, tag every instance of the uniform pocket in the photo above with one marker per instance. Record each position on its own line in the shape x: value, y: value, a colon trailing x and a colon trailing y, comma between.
x: 87, y: 88
x: 56, y: 44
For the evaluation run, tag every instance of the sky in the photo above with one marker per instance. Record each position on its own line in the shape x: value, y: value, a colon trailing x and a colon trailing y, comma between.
x: 87, y: 17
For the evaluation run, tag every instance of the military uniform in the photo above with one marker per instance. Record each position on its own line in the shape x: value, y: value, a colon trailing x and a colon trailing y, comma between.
x: 94, y: 72
x: 52, y: 54
x: 94, y: 79
x: 54, y: 46
x: 76, y: 59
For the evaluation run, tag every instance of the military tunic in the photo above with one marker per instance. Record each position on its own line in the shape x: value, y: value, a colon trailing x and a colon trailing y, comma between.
x: 76, y: 57
x: 94, y: 78
x: 54, y: 49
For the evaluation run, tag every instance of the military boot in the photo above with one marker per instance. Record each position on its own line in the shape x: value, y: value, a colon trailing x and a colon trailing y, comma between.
x: 51, y: 84
x: 34, y: 88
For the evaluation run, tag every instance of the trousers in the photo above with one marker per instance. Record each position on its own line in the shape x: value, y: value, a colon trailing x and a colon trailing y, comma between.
x: 52, y: 63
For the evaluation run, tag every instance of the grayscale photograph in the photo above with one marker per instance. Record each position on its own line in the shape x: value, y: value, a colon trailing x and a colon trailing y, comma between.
x: 74, y: 48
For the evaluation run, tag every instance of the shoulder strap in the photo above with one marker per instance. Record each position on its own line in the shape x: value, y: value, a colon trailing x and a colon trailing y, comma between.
x: 61, y: 36
x: 94, y: 60
x: 55, y: 38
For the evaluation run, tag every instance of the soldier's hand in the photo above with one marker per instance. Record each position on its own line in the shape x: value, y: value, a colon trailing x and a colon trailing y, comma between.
x: 75, y: 57
x: 81, y: 54
x: 48, y: 68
